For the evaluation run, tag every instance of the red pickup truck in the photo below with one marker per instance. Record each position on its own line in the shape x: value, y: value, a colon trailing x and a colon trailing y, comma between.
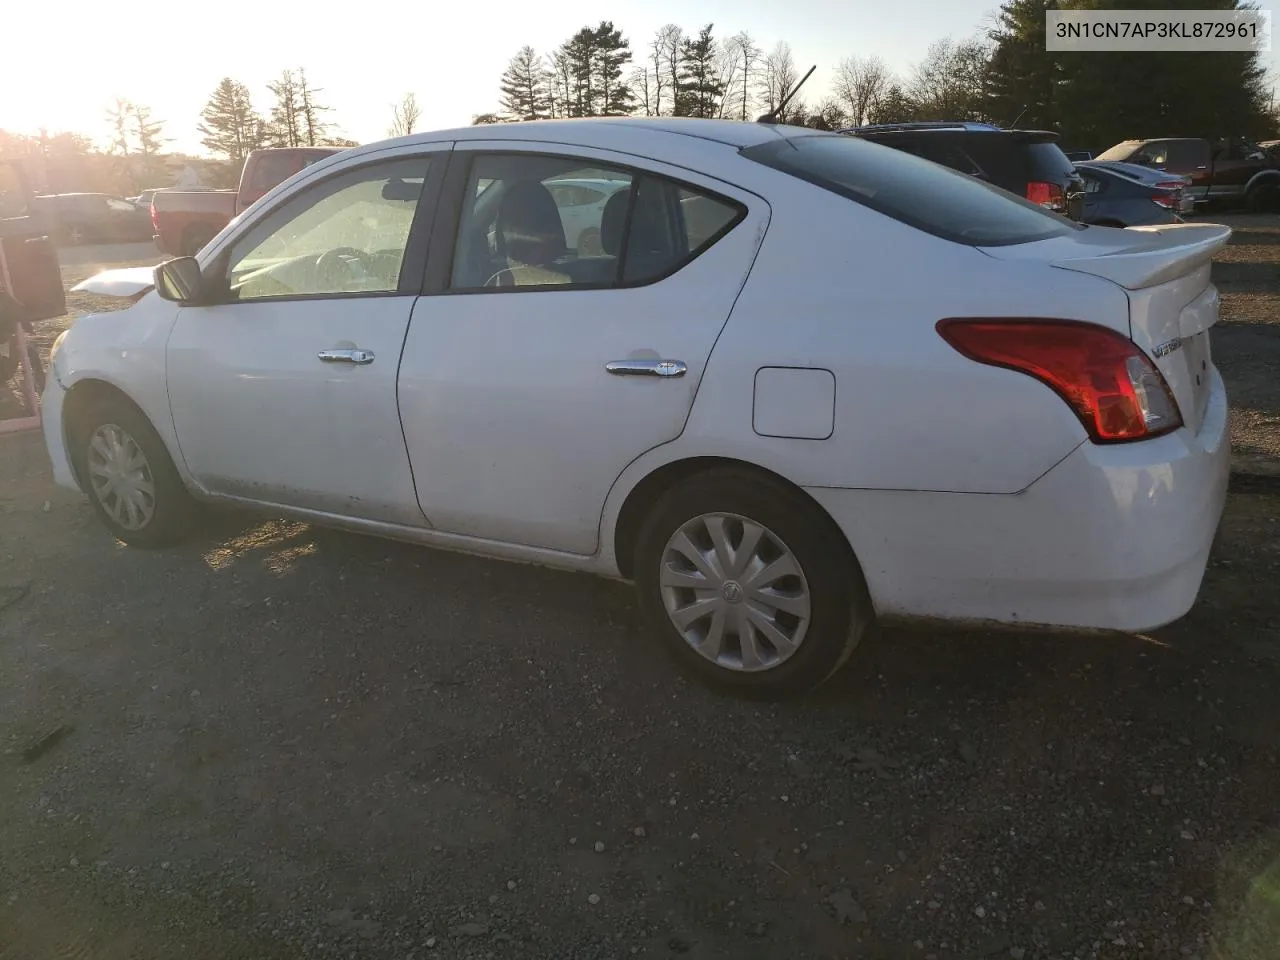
x: 183, y: 221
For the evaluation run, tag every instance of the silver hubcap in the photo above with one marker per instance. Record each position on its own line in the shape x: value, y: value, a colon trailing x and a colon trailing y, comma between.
x: 121, y: 477
x: 735, y: 592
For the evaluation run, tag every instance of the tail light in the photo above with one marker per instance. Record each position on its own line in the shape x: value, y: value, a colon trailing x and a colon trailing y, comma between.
x: 1111, y: 385
x: 155, y: 221
x: 1168, y: 195
x: 1048, y: 195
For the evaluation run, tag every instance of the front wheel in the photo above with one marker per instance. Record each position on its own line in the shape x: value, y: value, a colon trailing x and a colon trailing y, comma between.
x: 129, y: 477
x: 750, y: 584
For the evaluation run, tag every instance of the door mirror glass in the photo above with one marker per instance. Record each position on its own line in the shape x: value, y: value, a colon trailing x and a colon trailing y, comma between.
x: 179, y: 280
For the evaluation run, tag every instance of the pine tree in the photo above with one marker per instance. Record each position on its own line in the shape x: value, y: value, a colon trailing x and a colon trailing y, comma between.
x: 1105, y: 98
x: 525, y: 85
x: 699, y: 89
x: 229, y: 124
x: 612, y: 54
x: 579, y: 55
x: 147, y: 135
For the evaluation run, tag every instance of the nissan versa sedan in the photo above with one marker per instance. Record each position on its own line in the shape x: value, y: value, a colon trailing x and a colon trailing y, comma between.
x: 805, y: 381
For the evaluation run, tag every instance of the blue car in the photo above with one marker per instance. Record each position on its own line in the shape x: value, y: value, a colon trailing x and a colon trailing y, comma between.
x: 1127, y: 195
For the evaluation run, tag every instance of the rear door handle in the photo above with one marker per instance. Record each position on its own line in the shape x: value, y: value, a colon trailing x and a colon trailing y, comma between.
x: 647, y: 368
x: 346, y: 356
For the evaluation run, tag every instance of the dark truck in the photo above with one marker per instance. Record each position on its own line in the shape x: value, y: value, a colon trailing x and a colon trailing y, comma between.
x: 1230, y: 170
x: 183, y: 221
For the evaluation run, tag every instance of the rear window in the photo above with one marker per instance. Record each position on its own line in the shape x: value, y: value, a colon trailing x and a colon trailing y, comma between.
x: 1048, y: 161
x: 924, y: 195
x: 1120, y: 152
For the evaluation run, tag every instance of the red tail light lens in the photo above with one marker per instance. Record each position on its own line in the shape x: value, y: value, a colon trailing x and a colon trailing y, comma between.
x: 1111, y: 385
x: 1048, y: 195
x: 1165, y: 198
x: 155, y: 221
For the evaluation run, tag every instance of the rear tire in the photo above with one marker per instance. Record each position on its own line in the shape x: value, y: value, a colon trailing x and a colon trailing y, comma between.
x: 1262, y: 198
x: 130, y: 479
x: 750, y: 585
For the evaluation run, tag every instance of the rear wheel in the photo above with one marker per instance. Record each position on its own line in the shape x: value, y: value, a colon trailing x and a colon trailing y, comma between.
x: 1262, y: 197
x: 129, y: 477
x: 74, y: 234
x: 750, y: 585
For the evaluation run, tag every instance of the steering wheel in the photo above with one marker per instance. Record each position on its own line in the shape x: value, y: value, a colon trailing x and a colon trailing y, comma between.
x: 348, y: 260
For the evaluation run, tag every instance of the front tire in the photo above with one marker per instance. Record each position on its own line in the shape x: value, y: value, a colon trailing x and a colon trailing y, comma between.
x: 750, y: 585
x: 129, y: 477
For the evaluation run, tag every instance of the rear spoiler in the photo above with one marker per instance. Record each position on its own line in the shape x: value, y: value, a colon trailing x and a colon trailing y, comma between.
x: 130, y: 282
x: 1162, y: 254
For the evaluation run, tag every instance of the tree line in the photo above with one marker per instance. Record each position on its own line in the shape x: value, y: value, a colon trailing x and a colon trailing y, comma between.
x: 1003, y: 75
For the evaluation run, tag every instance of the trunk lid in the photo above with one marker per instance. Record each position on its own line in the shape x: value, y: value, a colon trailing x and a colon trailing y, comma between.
x: 1165, y: 272
x: 125, y: 282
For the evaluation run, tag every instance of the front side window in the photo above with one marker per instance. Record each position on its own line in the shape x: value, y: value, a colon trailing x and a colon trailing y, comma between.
x: 537, y: 221
x: 347, y: 235
x: 925, y: 195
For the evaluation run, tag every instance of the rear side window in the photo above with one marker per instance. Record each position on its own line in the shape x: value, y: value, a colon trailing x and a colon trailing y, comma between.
x: 924, y: 195
x: 536, y: 221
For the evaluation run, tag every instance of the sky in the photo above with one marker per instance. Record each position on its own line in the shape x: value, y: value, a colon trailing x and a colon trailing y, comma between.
x: 170, y: 55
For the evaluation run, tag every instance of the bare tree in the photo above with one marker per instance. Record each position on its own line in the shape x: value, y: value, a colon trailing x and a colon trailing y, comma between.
x: 405, y: 116
x: 642, y: 82
x: 669, y: 46
x: 119, y: 117
x: 780, y: 77
x: 728, y: 65
x: 859, y: 86
x: 285, y: 131
x: 948, y: 83
x: 313, y: 127
x: 746, y: 72
x: 562, y: 85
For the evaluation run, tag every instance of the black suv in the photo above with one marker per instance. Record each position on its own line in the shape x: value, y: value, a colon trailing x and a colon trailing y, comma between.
x: 1026, y: 162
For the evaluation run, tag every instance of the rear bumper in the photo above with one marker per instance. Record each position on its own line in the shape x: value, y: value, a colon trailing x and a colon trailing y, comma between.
x: 158, y: 242
x: 1113, y: 537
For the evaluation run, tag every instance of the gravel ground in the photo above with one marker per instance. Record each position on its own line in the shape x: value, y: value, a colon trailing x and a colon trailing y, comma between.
x: 283, y: 742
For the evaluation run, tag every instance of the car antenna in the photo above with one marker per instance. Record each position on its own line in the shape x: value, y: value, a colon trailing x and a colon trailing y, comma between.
x: 772, y: 115
x: 1014, y: 125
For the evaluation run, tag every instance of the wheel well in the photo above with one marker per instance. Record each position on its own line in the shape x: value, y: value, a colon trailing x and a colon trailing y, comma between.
x: 82, y: 398
x: 647, y: 492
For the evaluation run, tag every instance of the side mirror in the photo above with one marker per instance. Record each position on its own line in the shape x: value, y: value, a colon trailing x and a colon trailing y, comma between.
x: 180, y: 280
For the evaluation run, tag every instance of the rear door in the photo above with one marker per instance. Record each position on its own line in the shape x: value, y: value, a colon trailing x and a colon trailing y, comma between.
x: 539, y: 370
x: 29, y: 269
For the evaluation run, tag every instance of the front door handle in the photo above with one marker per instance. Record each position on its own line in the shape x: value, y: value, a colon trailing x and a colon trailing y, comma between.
x: 346, y: 356
x: 647, y: 368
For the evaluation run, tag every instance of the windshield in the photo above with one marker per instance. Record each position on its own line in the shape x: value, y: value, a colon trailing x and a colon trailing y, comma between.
x: 917, y: 192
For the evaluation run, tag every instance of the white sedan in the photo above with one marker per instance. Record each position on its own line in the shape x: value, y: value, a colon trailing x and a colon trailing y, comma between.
x: 804, y: 382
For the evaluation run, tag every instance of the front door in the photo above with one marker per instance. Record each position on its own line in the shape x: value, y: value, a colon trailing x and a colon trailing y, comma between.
x: 283, y: 391
x: 29, y: 270
x: 544, y: 367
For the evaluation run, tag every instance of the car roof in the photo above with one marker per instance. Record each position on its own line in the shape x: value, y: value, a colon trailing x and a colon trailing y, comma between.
x: 599, y: 130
